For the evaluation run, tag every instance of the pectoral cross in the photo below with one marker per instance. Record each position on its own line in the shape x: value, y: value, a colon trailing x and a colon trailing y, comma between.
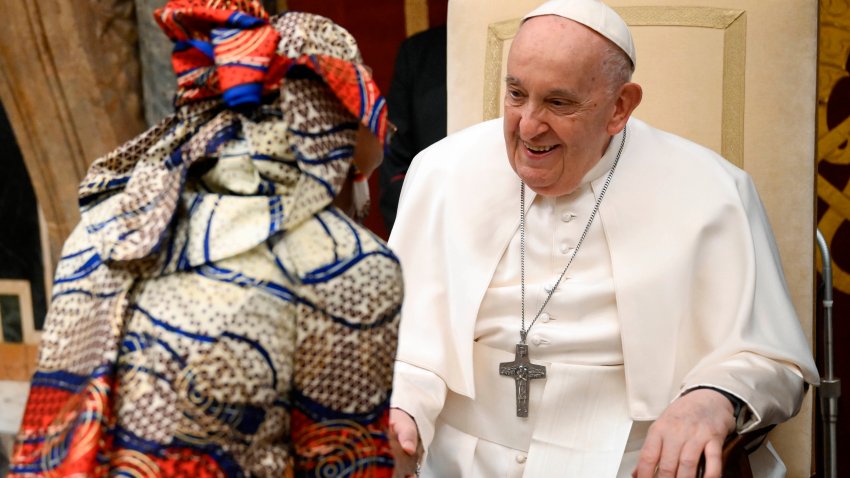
x: 522, y: 370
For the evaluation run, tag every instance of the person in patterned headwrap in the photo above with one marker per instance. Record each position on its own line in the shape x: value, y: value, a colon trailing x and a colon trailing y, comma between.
x: 214, y: 313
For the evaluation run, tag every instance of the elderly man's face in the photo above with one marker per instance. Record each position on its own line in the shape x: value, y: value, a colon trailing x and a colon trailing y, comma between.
x: 558, y: 104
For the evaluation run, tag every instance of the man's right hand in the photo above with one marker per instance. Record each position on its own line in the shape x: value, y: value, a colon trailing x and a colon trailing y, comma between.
x: 404, y: 441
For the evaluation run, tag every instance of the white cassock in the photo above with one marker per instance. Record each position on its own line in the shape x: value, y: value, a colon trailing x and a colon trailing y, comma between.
x: 677, y: 285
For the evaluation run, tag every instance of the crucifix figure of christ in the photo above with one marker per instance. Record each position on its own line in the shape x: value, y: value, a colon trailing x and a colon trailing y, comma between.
x: 522, y: 370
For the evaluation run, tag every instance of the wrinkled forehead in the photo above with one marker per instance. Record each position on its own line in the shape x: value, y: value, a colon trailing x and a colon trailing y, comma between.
x: 556, y: 38
x: 554, y: 56
x: 551, y: 31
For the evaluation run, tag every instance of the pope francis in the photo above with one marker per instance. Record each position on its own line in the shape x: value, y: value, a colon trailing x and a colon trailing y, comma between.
x: 586, y: 295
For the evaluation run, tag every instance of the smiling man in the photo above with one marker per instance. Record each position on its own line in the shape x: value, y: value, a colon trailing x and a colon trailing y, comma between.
x: 558, y: 123
x: 586, y: 296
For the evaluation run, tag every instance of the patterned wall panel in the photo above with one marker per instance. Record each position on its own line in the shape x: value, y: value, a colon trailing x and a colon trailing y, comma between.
x: 833, y: 186
x: 833, y: 116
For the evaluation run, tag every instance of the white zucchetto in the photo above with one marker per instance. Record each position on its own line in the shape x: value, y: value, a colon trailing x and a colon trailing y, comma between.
x: 595, y: 15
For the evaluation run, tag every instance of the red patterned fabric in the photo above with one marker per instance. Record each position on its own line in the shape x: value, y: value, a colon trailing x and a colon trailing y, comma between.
x: 352, y: 83
x: 58, y: 411
x: 220, y: 48
x: 228, y: 49
x: 359, y: 440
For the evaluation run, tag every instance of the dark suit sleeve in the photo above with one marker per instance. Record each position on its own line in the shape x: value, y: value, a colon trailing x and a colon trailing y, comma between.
x: 401, y: 149
x: 417, y: 106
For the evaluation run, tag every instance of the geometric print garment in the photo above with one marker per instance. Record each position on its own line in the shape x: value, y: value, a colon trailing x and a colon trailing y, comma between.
x: 213, y: 313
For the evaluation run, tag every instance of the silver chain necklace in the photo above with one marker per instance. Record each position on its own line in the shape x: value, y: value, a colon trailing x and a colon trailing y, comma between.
x: 521, y: 369
x: 523, y: 331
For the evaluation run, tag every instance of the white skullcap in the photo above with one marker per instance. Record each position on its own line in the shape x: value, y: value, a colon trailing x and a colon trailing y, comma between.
x: 594, y: 15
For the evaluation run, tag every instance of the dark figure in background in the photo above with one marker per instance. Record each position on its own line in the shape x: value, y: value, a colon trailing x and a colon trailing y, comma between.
x: 417, y: 106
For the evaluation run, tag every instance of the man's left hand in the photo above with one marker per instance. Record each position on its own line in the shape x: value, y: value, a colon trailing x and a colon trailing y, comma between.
x: 694, y: 425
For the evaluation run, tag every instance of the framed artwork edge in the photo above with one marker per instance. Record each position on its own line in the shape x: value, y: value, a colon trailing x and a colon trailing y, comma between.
x: 21, y: 289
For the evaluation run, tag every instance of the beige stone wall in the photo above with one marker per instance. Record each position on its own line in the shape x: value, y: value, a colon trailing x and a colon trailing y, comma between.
x: 69, y: 81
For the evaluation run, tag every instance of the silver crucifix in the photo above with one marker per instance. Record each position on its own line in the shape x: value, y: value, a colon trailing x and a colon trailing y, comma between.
x: 522, y: 370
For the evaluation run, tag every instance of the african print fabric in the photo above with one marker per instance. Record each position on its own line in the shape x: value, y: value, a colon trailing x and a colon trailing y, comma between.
x: 228, y: 48
x: 213, y: 313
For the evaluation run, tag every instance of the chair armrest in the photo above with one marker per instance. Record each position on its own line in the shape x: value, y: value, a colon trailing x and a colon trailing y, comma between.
x: 736, y: 453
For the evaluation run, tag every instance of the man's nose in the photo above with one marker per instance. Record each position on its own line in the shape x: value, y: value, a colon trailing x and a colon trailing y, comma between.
x: 532, y: 122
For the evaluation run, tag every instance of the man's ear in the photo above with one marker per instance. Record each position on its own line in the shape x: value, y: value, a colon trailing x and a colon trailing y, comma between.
x: 628, y: 99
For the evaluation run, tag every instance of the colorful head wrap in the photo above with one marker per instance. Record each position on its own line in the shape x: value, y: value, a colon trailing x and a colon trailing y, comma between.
x: 229, y: 49
x: 300, y: 89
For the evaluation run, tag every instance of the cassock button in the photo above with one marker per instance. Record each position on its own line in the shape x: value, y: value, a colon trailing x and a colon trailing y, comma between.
x: 544, y: 317
x: 536, y: 340
x: 521, y: 458
x: 565, y: 248
x: 567, y: 216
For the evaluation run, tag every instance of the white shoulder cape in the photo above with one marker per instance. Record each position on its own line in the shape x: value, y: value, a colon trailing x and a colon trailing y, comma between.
x: 700, y: 292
